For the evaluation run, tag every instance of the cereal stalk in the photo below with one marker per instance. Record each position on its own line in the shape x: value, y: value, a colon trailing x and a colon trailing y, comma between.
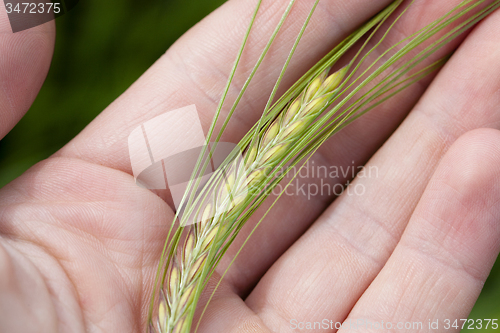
x: 186, y: 269
x: 295, y: 126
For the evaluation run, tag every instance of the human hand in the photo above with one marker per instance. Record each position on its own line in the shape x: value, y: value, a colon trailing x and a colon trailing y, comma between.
x: 81, y: 241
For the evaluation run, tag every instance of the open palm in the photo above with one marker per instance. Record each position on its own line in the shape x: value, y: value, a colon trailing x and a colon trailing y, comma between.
x: 80, y: 241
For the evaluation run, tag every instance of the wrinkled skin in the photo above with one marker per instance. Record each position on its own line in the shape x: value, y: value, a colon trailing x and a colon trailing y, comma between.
x: 80, y: 242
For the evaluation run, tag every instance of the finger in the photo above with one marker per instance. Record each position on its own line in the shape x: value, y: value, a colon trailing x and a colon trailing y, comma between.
x: 24, y: 64
x: 344, y: 251
x: 446, y: 253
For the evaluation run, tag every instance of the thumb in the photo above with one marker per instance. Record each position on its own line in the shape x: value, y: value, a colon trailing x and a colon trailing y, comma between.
x: 24, y: 62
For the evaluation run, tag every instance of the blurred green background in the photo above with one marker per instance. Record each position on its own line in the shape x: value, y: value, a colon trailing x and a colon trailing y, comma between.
x: 102, y: 47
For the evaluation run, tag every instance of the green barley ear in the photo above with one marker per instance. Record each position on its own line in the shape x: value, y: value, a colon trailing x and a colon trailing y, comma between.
x: 260, y: 161
x: 289, y: 131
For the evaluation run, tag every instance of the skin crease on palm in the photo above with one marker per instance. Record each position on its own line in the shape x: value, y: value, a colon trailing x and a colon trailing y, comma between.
x: 80, y: 241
